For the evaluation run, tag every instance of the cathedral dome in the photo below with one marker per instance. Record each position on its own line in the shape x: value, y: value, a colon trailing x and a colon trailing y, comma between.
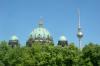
x: 40, y: 33
x: 63, y: 38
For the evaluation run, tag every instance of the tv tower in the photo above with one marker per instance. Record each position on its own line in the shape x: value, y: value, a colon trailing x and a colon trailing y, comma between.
x: 79, y: 32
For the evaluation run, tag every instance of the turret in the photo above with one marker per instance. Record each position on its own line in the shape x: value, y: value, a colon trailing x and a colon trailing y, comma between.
x: 63, y: 41
x: 13, y: 42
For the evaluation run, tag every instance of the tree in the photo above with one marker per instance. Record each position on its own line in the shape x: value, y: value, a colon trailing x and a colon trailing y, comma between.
x: 92, y: 52
x: 49, y: 55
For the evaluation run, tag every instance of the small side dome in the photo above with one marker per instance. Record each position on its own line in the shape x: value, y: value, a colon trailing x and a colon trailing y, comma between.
x: 63, y: 38
x: 14, y: 37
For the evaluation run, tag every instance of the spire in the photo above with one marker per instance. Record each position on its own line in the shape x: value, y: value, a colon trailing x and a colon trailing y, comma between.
x: 78, y: 18
x: 41, y: 21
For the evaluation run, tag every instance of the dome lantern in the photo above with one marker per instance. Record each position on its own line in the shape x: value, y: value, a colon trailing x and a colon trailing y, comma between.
x: 41, y: 21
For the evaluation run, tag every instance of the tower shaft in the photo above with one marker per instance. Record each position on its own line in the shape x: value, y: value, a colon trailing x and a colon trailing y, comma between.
x: 79, y: 33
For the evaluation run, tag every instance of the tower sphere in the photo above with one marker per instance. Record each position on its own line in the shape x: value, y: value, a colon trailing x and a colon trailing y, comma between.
x: 79, y: 34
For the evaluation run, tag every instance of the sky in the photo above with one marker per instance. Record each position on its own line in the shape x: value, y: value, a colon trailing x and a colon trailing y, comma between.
x: 20, y: 17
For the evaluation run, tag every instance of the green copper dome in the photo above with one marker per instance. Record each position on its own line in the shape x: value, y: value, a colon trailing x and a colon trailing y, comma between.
x: 63, y: 38
x: 41, y: 33
x: 14, y: 37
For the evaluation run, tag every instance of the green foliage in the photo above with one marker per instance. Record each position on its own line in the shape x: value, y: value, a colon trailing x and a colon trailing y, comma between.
x: 49, y: 55
x: 92, y: 52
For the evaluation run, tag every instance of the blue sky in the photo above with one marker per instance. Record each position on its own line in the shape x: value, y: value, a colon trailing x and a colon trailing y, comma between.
x: 20, y: 17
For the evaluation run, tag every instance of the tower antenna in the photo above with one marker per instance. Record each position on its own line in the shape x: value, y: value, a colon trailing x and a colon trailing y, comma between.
x: 78, y: 18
